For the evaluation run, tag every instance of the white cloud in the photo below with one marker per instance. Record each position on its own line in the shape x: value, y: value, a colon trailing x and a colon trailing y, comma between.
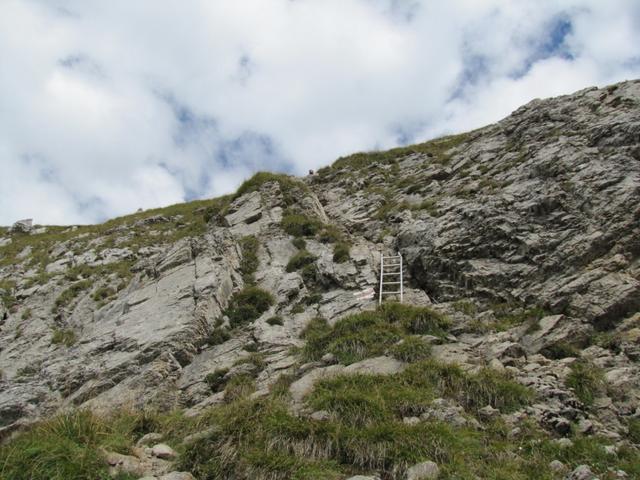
x: 110, y: 106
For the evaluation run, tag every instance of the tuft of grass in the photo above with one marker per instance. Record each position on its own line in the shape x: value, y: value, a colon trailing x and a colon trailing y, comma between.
x: 437, y: 149
x: 633, y: 430
x: 290, y: 187
x: 103, y: 293
x: 63, y: 336
x: 411, y: 349
x: 341, y: 252
x: 276, y: 320
x: 560, y: 350
x: 216, y: 379
x: 249, y: 264
x: 65, y: 447
x: 466, y: 307
x: 416, y: 320
x: 300, y: 260
x: 299, y: 225
x: 68, y: 295
x: 218, y: 336
x: 299, y: 243
x: 247, y: 305
x: 330, y: 234
x: 586, y: 380
x: 26, y: 314
x: 368, y: 334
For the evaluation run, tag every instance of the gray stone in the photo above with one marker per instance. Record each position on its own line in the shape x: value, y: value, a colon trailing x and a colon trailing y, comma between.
x: 557, y: 466
x: 320, y: 415
x: 149, y: 438
x: 163, y: 451
x: 22, y: 226
x: 582, y: 472
x: 177, y: 476
x: 423, y: 471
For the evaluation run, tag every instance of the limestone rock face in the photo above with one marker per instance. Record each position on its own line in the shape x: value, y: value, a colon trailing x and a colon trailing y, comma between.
x: 525, y: 233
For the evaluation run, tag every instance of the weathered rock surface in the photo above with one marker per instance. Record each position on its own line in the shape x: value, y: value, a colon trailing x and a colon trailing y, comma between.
x: 540, y: 211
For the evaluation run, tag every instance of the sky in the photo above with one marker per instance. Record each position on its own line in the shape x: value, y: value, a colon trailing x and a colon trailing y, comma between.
x: 110, y: 106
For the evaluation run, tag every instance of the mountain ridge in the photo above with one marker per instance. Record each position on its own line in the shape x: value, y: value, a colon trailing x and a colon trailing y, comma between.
x: 520, y: 242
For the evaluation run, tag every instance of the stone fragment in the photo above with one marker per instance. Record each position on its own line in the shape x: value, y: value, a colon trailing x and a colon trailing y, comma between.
x: 149, y: 438
x: 582, y: 472
x: 164, y: 451
x: 423, y: 471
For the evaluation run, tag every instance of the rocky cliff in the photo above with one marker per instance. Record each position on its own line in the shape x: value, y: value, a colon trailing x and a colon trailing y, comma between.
x: 521, y: 243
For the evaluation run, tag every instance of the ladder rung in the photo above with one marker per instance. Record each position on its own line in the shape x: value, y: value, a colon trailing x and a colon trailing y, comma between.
x: 391, y: 283
x: 391, y: 293
x: 392, y: 256
x: 392, y: 273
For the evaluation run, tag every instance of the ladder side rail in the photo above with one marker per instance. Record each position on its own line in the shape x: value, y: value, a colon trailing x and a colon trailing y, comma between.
x: 381, y: 277
x: 401, y: 285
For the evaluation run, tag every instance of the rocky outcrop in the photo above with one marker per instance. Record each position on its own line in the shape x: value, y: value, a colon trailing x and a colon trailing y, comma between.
x: 524, y: 233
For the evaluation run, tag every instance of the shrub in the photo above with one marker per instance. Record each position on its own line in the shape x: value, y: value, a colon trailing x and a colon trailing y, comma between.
x: 216, y: 379
x: 63, y: 336
x: 341, y: 252
x: 249, y: 264
x: 586, y: 380
x: 411, y: 349
x: 276, y: 320
x: 299, y: 225
x: 248, y: 304
x: 299, y: 260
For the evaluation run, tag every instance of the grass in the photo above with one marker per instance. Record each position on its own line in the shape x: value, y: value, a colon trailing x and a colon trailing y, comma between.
x: 63, y: 336
x: 369, y: 334
x: 330, y: 234
x: 411, y: 349
x: 299, y: 260
x: 69, y: 294
x: 511, y: 315
x: 218, y: 336
x: 299, y: 225
x: 290, y: 187
x: 215, y: 380
x: 586, y: 380
x: 65, y: 447
x: 341, y: 252
x: 437, y: 148
x: 275, y: 320
x: 6, y: 293
x: 299, y: 243
x: 261, y: 439
x: 249, y: 263
x: 247, y: 305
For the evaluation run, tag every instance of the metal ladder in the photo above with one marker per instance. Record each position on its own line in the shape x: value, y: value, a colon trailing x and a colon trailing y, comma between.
x: 391, y: 266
